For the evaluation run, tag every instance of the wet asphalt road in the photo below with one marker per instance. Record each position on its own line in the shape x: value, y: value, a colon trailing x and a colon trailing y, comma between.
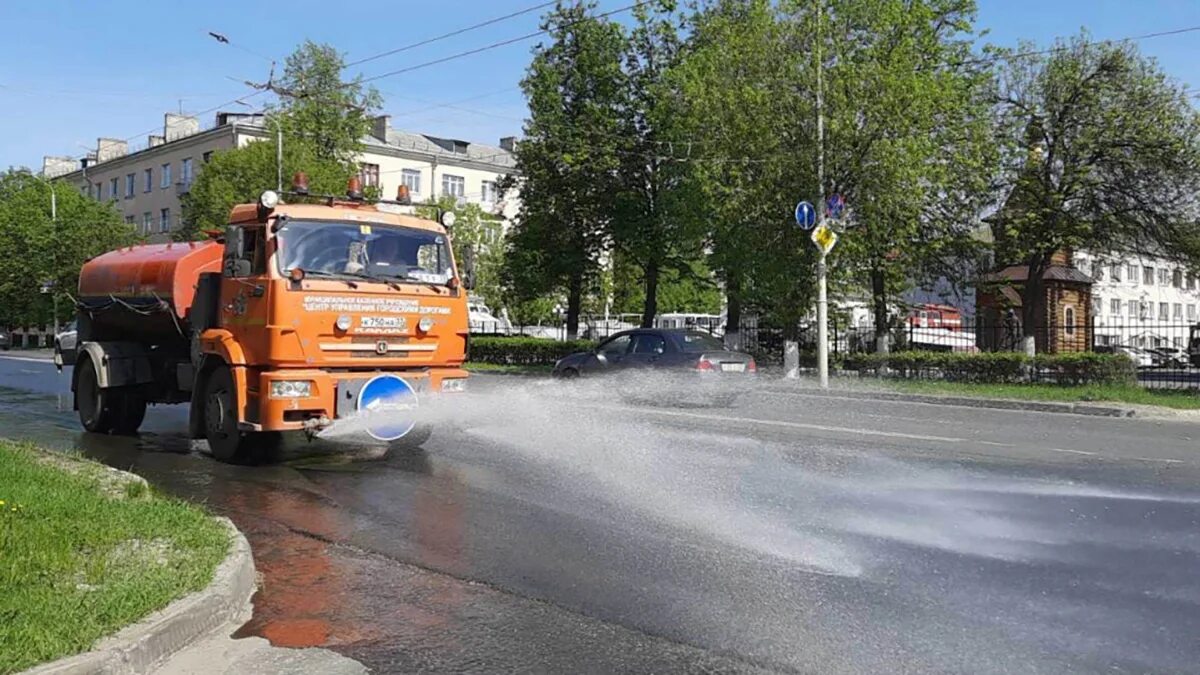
x: 551, y: 529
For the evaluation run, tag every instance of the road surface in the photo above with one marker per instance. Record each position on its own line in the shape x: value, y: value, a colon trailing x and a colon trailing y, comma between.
x: 553, y: 528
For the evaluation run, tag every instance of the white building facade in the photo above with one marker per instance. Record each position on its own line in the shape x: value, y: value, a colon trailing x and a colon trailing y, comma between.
x: 1141, y: 301
x: 146, y: 185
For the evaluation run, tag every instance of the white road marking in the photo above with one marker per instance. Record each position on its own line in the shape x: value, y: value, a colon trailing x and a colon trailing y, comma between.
x: 31, y: 359
x: 1158, y: 459
x: 1073, y: 452
x: 797, y: 425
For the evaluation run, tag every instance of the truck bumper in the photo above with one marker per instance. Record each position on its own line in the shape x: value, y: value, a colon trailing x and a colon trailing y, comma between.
x: 333, y: 396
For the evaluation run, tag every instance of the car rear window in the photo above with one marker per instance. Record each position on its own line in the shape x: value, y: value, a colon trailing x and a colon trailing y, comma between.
x: 699, y: 342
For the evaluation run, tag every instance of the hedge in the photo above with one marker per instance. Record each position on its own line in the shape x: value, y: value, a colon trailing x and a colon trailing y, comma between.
x: 997, y: 367
x: 523, y: 351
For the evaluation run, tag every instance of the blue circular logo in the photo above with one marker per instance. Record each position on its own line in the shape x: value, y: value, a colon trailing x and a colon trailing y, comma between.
x: 389, y: 405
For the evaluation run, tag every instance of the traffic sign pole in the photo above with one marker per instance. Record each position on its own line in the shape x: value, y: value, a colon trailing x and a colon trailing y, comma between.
x: 822, y: 300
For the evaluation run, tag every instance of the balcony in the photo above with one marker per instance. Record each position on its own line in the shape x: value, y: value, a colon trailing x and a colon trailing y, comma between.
x: 182, y: 188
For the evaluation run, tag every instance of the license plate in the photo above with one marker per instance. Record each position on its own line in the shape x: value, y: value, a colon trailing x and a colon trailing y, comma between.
x: 733, y: 367
x: 378, y: 322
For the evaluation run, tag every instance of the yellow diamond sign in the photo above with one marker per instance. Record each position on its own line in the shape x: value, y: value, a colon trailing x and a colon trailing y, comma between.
x: 824, y: 237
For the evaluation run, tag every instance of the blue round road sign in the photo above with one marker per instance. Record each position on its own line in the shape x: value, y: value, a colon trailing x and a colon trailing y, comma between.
x: 389, y: 404
x: 806, y: 215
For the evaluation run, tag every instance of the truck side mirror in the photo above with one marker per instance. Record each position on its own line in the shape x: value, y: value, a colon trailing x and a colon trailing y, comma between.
x: 466, y: 271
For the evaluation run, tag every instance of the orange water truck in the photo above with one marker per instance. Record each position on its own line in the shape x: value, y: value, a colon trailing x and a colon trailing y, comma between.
x: 298, y: 315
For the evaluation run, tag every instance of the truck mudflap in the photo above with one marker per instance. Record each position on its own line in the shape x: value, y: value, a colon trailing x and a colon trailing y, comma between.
x: 117, y: 364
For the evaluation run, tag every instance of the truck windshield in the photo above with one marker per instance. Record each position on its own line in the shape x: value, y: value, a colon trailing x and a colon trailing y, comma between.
x: 364, y: 250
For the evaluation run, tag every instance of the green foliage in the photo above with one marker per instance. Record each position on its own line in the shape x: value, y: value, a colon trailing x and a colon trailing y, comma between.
x: 331, y: 115
x: 35, y: 249
x: 997, y: 367
x: 239, y: 176
x: 524, y: 351
x: 748, y: 111
x: 323, y: 119
x: 485, y: 233
x: 569, y: 158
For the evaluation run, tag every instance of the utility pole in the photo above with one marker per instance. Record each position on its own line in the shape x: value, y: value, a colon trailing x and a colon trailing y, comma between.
x: 822, y: 299
x: 54, y: 227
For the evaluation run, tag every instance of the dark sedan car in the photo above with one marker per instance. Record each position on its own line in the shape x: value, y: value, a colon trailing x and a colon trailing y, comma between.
x: 655, y: 348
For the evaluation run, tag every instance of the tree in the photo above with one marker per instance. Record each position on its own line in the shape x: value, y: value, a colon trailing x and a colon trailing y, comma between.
x: 484, y: 232
x: 907, y: 134
x: 240, y: 175
x: 658, y: 225
x: 323, y: 120
x: 568, y: 160
x: 315, y: 104
x: 35, y: 248
x: 750, y: 155
x: 1099, y: 149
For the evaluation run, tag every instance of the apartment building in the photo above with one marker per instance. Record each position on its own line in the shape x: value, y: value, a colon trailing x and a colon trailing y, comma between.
x: 1141, y: 301
x: 146, y: 184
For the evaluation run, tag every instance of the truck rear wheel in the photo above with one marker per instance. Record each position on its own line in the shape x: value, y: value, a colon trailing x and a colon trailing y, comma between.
x: 129, y: 404
x: 96, y: 412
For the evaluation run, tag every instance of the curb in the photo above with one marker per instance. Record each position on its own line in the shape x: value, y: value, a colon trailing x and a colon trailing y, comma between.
x: 139, y: 648
x: 970, y: 402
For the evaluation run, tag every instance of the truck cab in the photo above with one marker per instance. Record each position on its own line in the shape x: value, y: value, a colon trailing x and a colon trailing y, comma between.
x: 302, y: 314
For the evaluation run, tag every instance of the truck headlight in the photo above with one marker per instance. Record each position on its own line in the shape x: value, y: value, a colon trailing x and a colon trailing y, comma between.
x: 454, y: 385
x: 291, y: 389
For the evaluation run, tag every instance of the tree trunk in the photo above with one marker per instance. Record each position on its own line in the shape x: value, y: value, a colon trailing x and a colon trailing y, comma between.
x: 733, y: 314
x: 879, y: 302
x: 650, y: 307
x: 1032, y: 299
x: 574, y: 304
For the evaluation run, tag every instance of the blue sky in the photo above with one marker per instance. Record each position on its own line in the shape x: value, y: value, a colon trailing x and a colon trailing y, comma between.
x: 74, y: 71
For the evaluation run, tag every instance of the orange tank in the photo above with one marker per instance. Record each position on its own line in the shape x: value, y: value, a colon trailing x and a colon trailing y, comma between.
x: 145, y: 293
x: 167, y: 272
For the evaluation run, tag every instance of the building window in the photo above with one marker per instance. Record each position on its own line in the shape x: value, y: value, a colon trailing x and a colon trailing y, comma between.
x: 1097, y: 305
x: 185, y: 171
x: 1134, y: 309
x: 147, y: 222
x: 206, y: 157
x: 368, y: 174
x: 1191, y: 282
x: 455, y: 186
x: 1115, y: 271
x: 149, y: 180
x: 1177, y: 278
x: 1114, y: 307
x: 1098, y: 270
x: 130, y: 182
x: 411, y: 178
x: 164, y: 220
x: 1147, y: 275
x: 1164, y: 311
x: 1177, y: 311
x: 1132, y: 273
x: 1164, y: 276
x: 164, y: 181
x: 489, y: 192
x: 129, y: 220
x: 1069, y: 319
x: 1191, y: 312
x: 112, y: 189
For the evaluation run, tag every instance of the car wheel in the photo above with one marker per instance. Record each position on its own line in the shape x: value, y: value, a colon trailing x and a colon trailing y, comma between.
x: 568, y: 374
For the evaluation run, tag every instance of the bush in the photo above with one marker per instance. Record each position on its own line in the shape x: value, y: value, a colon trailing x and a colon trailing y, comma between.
x: 997, y: 367
x: 523, y: 351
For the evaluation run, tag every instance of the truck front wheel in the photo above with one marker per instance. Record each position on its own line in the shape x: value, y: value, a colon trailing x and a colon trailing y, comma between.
x: 225, y: 440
